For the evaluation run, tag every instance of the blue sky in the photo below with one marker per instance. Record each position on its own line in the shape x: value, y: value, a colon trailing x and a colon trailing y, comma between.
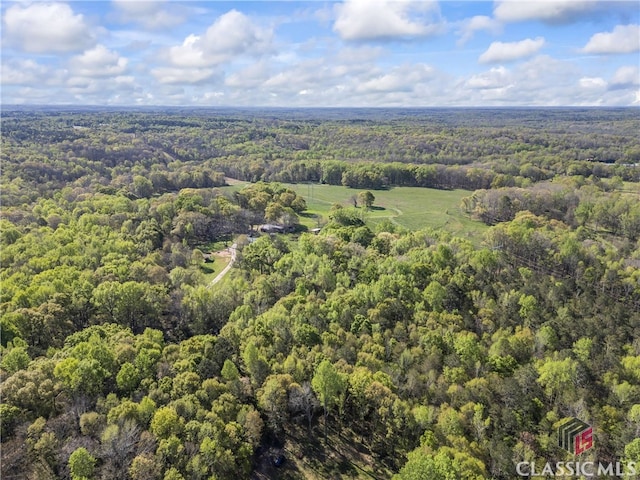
x: 352, y: 53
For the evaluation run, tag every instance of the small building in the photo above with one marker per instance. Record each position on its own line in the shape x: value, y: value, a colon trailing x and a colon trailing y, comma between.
x: 274, y: 228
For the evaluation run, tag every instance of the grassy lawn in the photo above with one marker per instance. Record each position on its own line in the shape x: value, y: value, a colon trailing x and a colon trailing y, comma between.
x: 218, y: 245
x: 410, y: 207
x: 211, y: 269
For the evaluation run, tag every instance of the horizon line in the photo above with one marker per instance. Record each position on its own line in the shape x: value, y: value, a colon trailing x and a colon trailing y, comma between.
x: 298, y: 107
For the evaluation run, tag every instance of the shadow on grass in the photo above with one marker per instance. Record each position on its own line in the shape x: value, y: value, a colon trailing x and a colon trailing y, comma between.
x: 207, y: 268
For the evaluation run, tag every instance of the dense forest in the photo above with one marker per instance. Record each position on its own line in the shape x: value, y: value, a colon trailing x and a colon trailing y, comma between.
x: 357, y: 350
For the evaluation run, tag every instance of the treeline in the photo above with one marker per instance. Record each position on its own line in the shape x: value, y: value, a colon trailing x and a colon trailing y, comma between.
x: 43, y: 151
x: 578, y: 202
x: 376, y: 175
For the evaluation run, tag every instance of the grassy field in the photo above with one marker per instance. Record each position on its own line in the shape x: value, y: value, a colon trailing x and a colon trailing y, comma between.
x: 210, y: 270
x: 220, y: 257
x: 409, y: 207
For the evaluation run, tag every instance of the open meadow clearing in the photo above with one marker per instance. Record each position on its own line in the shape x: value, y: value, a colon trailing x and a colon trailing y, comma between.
x: 410, y: 207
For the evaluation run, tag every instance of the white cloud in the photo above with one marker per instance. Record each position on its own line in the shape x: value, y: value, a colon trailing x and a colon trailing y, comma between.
x: 595, y: 83
x: 125, y: 81
x: 190, y: 53
x: 552, y: 11
x: 623, y: 39
x: 249, y: 77
x: 497, y: 77
x: 231, y: 35
x: 208, y: 98
x: 328, y: 81
x: 176, y: 76
x: 236, y: 59
x: 115, y: 90
x: 626, y: 76
x: 546, y: 73
x: 28, y: 95
x: 234, y: 33
x: 332, y: 78
x: 152, y: 15
x: 82, y: 85
x: 47, y: 28
x: 476, y: 24
x: 98, y: 62
x: 383, y: 19
x: 508, y: 52
x: 401, y: 79
x: 542, y: 81
x: 23, y: 72
x: 300, y: 76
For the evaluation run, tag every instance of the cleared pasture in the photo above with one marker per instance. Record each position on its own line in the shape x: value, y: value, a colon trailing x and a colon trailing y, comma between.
x: 410, y: 207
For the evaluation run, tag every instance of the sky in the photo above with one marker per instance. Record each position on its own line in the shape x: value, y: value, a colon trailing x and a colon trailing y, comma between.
x: 351, y: 53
